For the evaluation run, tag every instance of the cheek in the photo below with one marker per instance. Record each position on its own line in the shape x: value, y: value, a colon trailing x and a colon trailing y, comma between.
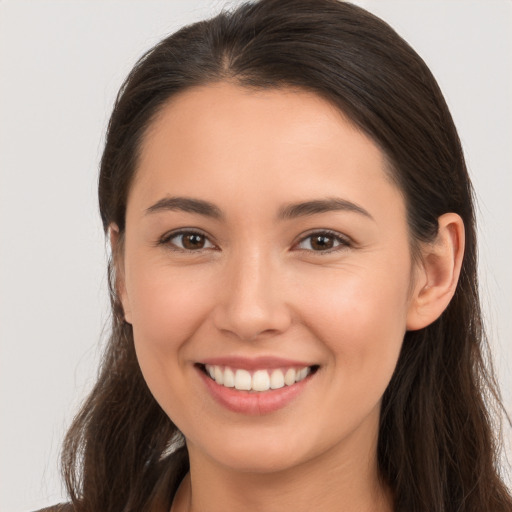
x: 361, y: 318
x: 167, y: 305
x: 167, y: 308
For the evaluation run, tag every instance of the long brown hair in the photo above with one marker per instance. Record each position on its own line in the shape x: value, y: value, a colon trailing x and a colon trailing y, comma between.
x: 437, y: 447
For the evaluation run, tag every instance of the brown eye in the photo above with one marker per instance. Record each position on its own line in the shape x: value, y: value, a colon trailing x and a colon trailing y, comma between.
x: 193, y: 241
x: 319, y: 242
x: 322, y: 242
x: 189, y: 241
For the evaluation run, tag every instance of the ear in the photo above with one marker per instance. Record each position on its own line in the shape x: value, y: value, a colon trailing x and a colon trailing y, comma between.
x: 117, y: 246
x: 437, y: 273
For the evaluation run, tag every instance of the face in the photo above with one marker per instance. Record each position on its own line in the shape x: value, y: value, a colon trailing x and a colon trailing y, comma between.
x: 266, y: 272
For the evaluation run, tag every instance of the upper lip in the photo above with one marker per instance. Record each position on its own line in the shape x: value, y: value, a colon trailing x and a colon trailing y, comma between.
x: 254, y: 363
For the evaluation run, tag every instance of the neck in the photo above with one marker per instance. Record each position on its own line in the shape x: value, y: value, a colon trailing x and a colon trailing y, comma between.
x: 342, y: 480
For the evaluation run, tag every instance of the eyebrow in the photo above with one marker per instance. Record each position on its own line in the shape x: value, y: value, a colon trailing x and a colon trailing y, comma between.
x: 186, y: 204
x: 290, y: 211
x: 314, y: 207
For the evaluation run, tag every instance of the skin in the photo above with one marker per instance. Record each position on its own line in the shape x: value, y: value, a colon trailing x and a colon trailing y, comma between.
x: 258, y: 287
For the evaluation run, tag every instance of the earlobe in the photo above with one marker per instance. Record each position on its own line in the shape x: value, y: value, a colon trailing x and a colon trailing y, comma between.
x: 438, y: 274
x: 116, y: 244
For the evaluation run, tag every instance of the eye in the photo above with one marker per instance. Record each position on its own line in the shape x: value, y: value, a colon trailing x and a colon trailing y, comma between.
x: 187, y: 241
x: 323, y: 241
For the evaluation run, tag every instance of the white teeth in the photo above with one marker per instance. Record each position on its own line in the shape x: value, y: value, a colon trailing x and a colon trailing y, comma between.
x: 243, y: 380
x: 301, y: 374
x: 276, y: 379
x: 289, y: 376
x: 219, y: 375
x: 260, y: 380
x: 229, y: 378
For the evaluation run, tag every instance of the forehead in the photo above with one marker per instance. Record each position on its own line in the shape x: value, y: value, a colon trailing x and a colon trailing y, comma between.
x: 223, y: 140
x: 222, y: 116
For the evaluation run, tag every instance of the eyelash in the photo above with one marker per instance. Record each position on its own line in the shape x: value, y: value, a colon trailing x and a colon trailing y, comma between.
x: 166, y: 240
x: 342, y: 241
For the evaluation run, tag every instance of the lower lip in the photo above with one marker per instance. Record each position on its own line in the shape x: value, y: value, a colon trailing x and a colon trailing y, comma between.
x: 254, y: 403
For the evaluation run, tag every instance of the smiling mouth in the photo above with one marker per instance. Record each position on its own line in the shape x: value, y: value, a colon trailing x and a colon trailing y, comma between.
x: 258, y: 380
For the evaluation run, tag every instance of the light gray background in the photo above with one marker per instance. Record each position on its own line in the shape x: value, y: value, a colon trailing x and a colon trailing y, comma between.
x: 61, y: 64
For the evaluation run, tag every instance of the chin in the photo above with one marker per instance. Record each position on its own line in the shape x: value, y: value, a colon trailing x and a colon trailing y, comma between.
x: 259, y: 461
x: 260, y: 451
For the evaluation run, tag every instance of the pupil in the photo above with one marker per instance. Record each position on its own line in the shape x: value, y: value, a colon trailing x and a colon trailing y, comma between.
x: 322, y: 242
x: 193, y: 241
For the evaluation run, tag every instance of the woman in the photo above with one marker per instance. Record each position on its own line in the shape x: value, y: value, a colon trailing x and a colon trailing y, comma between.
x: 296, y: 319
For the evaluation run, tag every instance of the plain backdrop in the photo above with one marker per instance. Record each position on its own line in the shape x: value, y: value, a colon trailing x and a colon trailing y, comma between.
x: 61, y: 64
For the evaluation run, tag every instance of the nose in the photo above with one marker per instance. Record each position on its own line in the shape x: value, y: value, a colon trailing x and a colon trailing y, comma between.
x: 251, y: 304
